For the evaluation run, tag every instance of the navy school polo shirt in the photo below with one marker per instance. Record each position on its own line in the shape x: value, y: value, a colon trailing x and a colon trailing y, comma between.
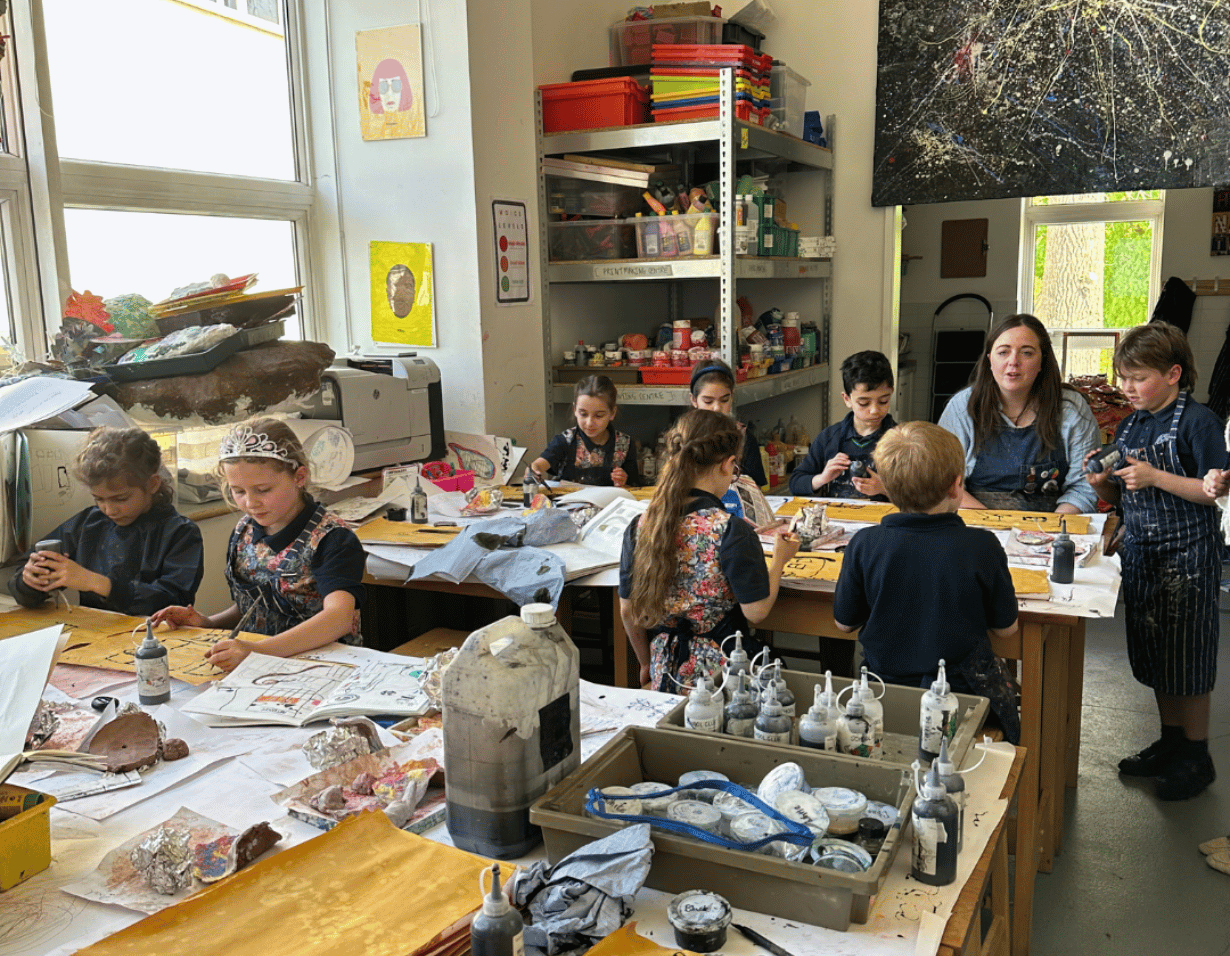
x: 923, y: 587
x: 1199, y: 437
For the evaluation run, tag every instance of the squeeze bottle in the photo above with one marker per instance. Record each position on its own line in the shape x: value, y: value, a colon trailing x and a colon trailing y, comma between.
x: 773, y: 725
x: 872, y: 707
x: 818, y: 727
x: 937, y: 713
x: 742, y: 710
x: 153, y: 670
x: 498, y: 929
x: 855, y: 735
x: 783, y: 693
x: 418, y: 501
x: 737, y: 662
x: 703, y: 710
x: 934, y: 857
x: 1063, y: 555
x: 954, y: 783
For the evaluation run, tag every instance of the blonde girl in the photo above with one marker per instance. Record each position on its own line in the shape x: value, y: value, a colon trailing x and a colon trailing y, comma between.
x: 691, y: 573
x: 592, y: 453
x: 132, y: 552
x: 294, y: 566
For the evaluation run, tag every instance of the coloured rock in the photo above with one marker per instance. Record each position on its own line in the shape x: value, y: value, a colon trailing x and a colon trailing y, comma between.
x: 164, y: 859
x: 329, y: 800
x: 228, y: 854
x: 363, y: 784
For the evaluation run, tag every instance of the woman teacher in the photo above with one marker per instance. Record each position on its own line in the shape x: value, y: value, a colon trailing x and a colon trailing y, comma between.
x: 1024, y: 433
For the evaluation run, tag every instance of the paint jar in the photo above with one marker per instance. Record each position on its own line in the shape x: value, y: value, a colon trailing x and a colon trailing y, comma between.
x: 790, y: 330
x: 681, y: 333
x: 749, y: 827
x: 803, y: 808
x: 661, y: 359
x: 570, y: 357
x: 845, y: 808
x: 783, y: 777
x: 652, y: 804
x: 700, y: 919
x: 730, y: 806
x: 698, y: 776
x: 622, y: 801
x: 703, y: 816
x: 680, y: 359
x: 871, y: 834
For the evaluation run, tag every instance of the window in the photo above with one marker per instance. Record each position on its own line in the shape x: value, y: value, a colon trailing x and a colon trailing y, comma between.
x: 1090, y: 266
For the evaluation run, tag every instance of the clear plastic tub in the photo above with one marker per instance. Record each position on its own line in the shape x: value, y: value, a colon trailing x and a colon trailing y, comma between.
x: 591, y: 239
x: 632, y: 40
x: 788, y: 96
x: 578, y: 197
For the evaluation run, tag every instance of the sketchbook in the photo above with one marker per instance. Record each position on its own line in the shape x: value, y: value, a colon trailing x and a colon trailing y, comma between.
x: 296, y: 692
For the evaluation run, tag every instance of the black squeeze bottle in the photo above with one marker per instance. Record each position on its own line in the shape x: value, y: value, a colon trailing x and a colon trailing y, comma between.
x: 498, y: 929
x: 1105, y: 460
x: 418, y: 502
x: 1063, y: 555
x: 934, y: 859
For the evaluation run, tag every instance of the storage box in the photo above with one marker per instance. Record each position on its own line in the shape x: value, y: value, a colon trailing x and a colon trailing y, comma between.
x: 25, y: 839
x: 901, y: 707
x: 685, y: 231
x: 632, y: 40
x: 591, y: 239
x: 652, y: 375
x: 573, y: 197
x: 593, y: 104
x: 789, y: 90
x: 754, y: 881
x: 458, y: 481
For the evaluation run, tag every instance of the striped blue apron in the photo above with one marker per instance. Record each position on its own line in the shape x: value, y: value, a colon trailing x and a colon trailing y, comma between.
x: 1171, y: 566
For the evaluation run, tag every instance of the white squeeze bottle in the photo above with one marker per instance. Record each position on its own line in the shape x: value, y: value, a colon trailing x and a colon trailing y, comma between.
x: 773, y: 725
x: 498, y: 929
x: 703, y: 710
x: 783, y: 693
x: 737, y: 663
x: 742, y: 711
x: 818, y: 727
x: 936, y: 719
x: 855, y: 734
x: 872, y: 707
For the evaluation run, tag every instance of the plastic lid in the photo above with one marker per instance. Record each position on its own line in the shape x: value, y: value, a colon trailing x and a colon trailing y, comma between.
x: 538, y: 615
x: 932, y: 787
x: 149, y: 642
x: 495, y: 903
x: 943, y: 761
x: 940, y: 684
x: 699, y: 912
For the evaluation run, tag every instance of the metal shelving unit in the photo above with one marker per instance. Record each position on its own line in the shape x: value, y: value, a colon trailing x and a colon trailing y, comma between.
x: 729, y: 141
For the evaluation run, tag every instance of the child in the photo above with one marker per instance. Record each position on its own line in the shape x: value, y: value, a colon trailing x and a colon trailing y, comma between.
x: 592, y: 453
x: 867, y: 380
x: 132, y: 552
x: 923, y: 586
x: 713, y: 388
x: 301, y: 566
x: 1171, y: 552
x: 691, y: 573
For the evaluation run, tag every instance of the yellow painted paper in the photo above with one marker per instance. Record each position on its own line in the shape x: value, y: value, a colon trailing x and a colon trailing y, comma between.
x: 81, y: 624
x: 384, y: 531
x: 1028, y: 582
x: 812, y: 566
x: 362, y: 887
x: 626, y: 941
x: 391, y: 98
x: 403, y: 310
x: 872, y: 512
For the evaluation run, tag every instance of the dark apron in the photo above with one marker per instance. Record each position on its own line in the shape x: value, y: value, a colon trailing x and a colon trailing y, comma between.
x: 1013, y: 474
x: 613, y: 456
x: 278, y: 612
x: 1171, y: 565
x: 681, y: 641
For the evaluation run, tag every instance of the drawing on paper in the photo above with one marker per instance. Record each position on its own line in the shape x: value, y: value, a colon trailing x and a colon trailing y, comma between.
x: 391, y: 96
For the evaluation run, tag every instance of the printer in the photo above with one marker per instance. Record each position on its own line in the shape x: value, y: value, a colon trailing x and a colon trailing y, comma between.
x: 390, y: 403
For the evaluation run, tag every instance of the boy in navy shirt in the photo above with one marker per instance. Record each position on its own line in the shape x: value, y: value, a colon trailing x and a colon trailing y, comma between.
x: 1171, y: 551
x: 867, y: 380
x: 922, y: 585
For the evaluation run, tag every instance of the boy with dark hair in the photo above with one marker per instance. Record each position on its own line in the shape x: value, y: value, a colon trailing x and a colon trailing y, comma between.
x: 838, y: 463
x: 1171, y: 551
x: 922, y: 585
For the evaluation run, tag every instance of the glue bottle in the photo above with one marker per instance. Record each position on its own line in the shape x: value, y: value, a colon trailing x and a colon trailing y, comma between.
x: 1063, y: 555
x: 498, y: 929
x: 703, y: 710
x: 934, y: 857
x: 418, y: 501
x: 855, y: 734
x: 783, y: 694
x: 773, y: 725
x: 153, y: 670
x: 936, y: 719
x: 872, y: 707
x: 742, y: 710
x: 818, y: 727
x: 1105, y: 460
x: 737, y: 662
x: 954, y: 783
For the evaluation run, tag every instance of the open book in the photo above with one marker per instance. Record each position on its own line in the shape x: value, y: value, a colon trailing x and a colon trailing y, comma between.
x: 295, y: 692
x: 601, y: 539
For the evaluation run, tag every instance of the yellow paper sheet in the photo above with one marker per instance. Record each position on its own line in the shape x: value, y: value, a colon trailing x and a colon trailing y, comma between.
x: 812, y: 566
x: 81, y: 624
x: 869, y: 511
x: 626, y: 941
x: 363, y: 887
x: 1030, y: 582
x: 384, y: 531
x: 872, y: 512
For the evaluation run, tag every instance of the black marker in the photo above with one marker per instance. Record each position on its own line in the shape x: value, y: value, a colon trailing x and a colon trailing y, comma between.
x: 760, y: 941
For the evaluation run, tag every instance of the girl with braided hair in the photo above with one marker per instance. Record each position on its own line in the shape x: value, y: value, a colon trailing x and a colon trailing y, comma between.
x: 691, y: 573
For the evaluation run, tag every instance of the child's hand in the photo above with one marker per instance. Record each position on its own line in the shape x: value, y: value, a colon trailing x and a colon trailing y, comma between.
x: 1137, y: 474
x: 785, y: 547
x: 835, y: 466
x: 1096, y: 479
x: 869, y: 486
x: 226, y: 655
x: 1216, y: 482
x: 619, y: 477
x: 48, y: 570
x: 178, y: 616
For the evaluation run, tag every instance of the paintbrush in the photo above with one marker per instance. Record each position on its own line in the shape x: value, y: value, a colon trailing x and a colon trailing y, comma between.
x: 242, y: 621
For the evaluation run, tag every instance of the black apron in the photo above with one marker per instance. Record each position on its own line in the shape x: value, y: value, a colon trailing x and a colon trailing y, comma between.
x: 614, y: 454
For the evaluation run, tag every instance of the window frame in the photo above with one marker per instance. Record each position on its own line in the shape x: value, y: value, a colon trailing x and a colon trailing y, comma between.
x: 39, y: 186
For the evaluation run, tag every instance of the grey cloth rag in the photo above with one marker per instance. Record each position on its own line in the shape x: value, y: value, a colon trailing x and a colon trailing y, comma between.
x: 588, y: 894
x: 506, y: 554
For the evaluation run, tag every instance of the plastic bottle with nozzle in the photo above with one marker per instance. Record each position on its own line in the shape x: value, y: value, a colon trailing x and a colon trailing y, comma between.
x: 818, y: 727
x: 773, y: 725
x: 742, y: 711
x: 498, y: 929
x: 937, y: 716
x: 934, y: 857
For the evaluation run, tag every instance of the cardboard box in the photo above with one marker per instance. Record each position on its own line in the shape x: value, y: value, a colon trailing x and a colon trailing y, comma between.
x: 25, y: 839
x: 754, y: 881
x: 901, y: 717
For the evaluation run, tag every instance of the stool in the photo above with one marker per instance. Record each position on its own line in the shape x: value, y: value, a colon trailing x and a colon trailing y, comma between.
x: 432, y: 642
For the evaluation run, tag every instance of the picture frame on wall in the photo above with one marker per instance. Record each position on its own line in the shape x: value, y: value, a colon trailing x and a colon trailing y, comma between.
x: 391, y: 96
x: 1220, y: 243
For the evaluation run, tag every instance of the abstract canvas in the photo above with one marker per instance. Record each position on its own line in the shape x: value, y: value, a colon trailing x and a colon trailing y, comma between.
x: 990, y: 99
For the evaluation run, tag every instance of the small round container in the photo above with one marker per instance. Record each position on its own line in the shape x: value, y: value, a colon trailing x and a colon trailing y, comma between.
x: 696, y: 776
x: 681, y: 333
x: 790, y: 330
x: 570, y: 357
x: 845, y: 808
x: 697, y: 339
x: 680, y: 358
x: 786, y: 776
x: 803, y: 808
x: 614, y: 357
x: 654, y: 806
x: 882, y: 812
x: 661, y: 359
x: 871, y: 834
x: 700, y: 919
x: 730, y: 806
x: 747, y: 827
x: 701, y: 815
x: 831, y: 853
x: 621, y: 800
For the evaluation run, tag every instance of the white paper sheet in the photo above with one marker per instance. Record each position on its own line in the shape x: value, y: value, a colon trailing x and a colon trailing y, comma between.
x: 25, y: 661
x: 31, y: 400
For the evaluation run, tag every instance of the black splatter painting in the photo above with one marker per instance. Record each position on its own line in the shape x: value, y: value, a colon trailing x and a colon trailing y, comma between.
x: 992, y: 99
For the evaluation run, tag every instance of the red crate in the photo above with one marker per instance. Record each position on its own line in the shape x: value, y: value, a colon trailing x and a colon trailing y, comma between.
x: 743, y: 111
x: 651, y: 375
x: 593, y: 104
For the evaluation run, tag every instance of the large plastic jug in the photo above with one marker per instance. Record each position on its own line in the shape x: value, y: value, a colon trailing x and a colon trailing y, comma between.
x: 512, y: 729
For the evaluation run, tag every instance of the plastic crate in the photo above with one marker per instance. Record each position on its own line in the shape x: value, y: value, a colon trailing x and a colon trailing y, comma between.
x: 789, y: 91
x: 591, y: 239
x: 575, y: 197
x: 754, y: 881
x: 653, y: 375
x: 743, y: 110
x: 737, y: 34
x: 632, y: 41
x: 593, y: 104
x: 685, y: 231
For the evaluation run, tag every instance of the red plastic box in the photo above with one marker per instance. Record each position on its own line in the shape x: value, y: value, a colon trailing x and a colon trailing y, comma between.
x: 593, y: 104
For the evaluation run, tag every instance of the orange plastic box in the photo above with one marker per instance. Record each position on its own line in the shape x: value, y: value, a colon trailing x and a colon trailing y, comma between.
x: 593, y: 104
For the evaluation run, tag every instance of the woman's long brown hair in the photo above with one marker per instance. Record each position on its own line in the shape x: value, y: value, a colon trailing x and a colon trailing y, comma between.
x: 699, y: 441
x: 1047, y: 391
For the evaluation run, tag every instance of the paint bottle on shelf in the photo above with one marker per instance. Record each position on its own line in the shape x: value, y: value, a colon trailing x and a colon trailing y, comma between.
x: 937, y: 716
x: 934, y: 857
x: 498, y: 929
x: 153, y: 670
x: 1063, y: 555
x: 418, y: 501
x: 872, y: 707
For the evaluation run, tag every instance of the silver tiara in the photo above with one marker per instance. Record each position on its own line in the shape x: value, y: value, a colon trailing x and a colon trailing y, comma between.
x: 243, y: 442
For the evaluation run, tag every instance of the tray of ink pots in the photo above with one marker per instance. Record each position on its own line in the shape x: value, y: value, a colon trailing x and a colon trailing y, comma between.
x: 803, y: 835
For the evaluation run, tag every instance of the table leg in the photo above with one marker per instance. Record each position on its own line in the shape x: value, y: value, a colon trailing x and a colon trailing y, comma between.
x: 627, y: 667
x: 1051, y: 766
x: 1076, y: 692
x: 1027, y: 796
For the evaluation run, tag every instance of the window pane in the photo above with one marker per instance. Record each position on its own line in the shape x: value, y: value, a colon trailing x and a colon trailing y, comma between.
x: 168, y: 84
x: 8, y: 323
x: 114, y: 253
x: 1137, y: 195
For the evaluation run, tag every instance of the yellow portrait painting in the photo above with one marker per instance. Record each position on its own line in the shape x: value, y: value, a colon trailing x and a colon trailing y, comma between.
x: 401, y: 294
x: 391, y: 82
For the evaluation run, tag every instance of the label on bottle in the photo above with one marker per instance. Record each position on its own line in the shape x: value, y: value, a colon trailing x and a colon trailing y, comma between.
x: 928, y: 835
x: 153, y: 677
x: 652, y: 249
x: 830, y: 742
x: 418, y: 508
x: 782, y: 738
x: 711, y: 724
x: 935, y: 722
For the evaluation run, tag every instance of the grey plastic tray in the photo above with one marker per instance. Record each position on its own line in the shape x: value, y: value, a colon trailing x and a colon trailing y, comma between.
x: 196, y: 363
